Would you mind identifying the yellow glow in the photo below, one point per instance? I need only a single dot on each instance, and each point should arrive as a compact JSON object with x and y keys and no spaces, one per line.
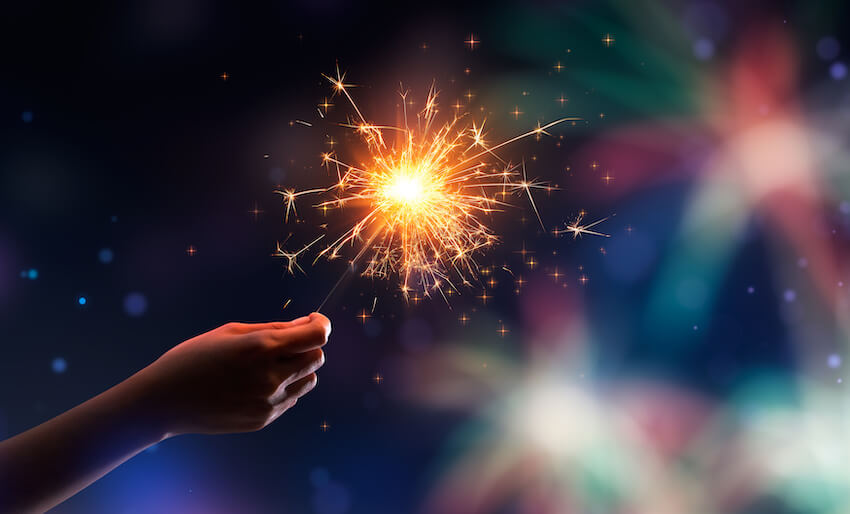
{"x":405,"y":190}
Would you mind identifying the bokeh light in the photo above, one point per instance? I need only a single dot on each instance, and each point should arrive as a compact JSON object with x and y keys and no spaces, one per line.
{"x":105,"y":255}
{"x":59,"y":365}
{"x":135,"y":304}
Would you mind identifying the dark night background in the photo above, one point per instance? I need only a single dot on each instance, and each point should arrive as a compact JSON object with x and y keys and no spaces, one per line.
{"x":124,"y":145}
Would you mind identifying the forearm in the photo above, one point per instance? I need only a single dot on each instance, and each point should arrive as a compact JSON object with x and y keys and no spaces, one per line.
{"x":43,"y":466}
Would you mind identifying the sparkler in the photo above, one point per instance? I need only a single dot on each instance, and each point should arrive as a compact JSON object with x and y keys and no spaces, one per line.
{"x":424,"y":197}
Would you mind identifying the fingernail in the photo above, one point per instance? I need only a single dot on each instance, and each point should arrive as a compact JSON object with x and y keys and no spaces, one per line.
{"x":301,"y":320}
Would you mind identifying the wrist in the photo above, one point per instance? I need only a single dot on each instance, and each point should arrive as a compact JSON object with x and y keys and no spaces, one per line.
{"x":147,"y":407}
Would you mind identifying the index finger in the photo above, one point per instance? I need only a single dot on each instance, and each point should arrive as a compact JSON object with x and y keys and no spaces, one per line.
{"x":246,"y":328}
{"x":301,"y":338}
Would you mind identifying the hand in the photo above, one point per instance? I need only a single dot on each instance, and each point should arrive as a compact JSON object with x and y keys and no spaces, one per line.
{"x":236,"y":378}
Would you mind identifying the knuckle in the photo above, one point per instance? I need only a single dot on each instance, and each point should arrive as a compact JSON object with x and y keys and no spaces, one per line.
{"x":266,"y":341}
{"x":305,"y":385}
{"x":260,"y":340}
{"x":291,"y":375}
{"x":316,"y":357}
{"x":311,"y":361}
{"x":251,"y":345}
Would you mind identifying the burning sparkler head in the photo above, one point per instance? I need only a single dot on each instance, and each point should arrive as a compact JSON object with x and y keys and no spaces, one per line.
{"x":422,"y":219}
{"x":424,"y":196}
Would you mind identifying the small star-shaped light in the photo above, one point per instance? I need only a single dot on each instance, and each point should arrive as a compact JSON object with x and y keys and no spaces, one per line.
{"x":524,"y":251}
{"x":338,"y":82}
{"x":326,"y":105}
{"x":256,"y":211}
{"x":363,"y":316}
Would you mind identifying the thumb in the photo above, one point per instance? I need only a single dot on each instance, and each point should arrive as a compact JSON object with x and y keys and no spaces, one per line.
{"x":302,"y":338}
